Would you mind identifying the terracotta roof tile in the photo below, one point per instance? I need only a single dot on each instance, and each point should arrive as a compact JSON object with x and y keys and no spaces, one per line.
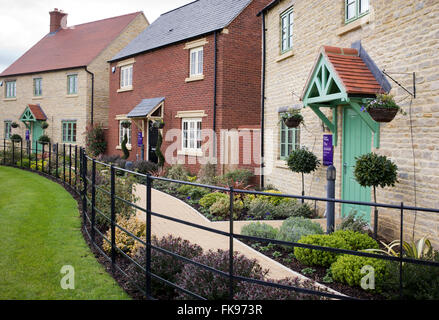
{"x":352,"y":71}
{"x":71,"y":47}
{"x":37,"y":112}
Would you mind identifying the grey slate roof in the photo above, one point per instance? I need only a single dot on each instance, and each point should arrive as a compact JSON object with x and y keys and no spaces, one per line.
{"x":194,"y":19}
{"x":145,"y":107}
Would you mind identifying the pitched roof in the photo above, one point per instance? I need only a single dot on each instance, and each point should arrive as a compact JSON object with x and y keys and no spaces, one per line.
{"x":37,"y":112}
{"x":357,"y":78}
{"x":145,"y":107}
{"x":194,"y":19}
{"x":72,"y":47}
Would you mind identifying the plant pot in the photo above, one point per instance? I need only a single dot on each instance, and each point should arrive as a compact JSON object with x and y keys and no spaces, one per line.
{"x":292,"y":122}
{"x":382,"y":114}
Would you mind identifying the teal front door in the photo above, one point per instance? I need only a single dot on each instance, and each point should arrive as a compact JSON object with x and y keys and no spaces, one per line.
{"x":37,"y":132}
{"x":357,"y":139}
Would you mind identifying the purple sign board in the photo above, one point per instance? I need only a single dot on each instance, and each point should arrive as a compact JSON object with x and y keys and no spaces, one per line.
{"x":27,"y":135}
{"x":139,"y":139}
{"x":328,"y":150}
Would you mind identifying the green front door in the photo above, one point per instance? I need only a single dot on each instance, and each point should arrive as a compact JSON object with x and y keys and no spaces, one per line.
{"x":357,"y":139}
{"x":37,"y":132}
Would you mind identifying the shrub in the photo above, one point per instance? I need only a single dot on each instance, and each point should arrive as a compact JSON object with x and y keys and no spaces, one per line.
{"x":292,"y":209}
{"x":144,"y":166}
{"x":95,"y":140}
{"x":314,"y":257}
{"x":209,"y":199}
{"x":347,"y":269}
{"x":40,"y":165}
{"x":260,"y":230}
{"x":125,"y":242}
{"x":260,"y":209}
{"x":23,"y":163}
{"x":354,"y":223}
{"x":177,"y":172}
{"x":238,"y":175}
{"x":253,"y":291}
{"x":213,"y":286}
{"x":356,"y":240}
{"x":294,"y":228}
{"x":126,"y":152}
{"x":221,"y":208}
{"x":109,"y":158}
{"x":16,"y":138}
{"x":163,"y":265}
{"x":158,"y":151}
{"x":207,"y":174}
{"x":192,"y":192}
{"x":44,"y":139}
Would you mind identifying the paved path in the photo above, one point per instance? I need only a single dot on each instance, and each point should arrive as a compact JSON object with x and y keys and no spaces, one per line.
{"x":165,"y":204}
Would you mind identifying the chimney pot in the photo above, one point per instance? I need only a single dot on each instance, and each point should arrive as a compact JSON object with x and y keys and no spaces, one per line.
{"x":58,"y":20}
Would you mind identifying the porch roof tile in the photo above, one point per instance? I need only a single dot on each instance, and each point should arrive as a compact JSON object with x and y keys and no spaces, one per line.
{"x":37,"y":112}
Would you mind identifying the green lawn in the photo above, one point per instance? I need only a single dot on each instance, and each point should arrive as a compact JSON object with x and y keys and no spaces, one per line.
{"x":39,"y":234}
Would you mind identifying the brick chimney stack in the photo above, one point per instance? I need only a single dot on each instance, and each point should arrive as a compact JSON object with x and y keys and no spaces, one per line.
{"x":58,"y":19}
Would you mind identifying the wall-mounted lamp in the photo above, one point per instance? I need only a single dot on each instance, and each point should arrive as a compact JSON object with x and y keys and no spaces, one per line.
{"x":113,"y":69}
{"x":1,"y":83}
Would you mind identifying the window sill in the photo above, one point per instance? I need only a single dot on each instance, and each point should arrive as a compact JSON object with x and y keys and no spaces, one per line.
{"x":194,"y":78}
{"x":125,"y":89}
{"x":120,"y":147}
{"x":193,"y":153}
{"x":354,"y":25}
{"x":72,"y":96}
{"x":9,"y":99}
{"x":37,"y":98}
{"x":281,"y":164}
{"x":285,"y":55}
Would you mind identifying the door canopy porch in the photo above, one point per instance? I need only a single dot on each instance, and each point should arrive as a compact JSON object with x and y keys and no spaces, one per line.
{"x":341,"y":77}
{"x":33,"y":113}
{"x":147,"y":109}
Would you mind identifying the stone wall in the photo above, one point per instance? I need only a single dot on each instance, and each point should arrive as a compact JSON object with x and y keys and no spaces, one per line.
{"x":400,"y":36}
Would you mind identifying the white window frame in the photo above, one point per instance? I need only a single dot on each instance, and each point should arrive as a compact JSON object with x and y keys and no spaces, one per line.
{"x":122,"y":132}
{"x":191,"y":138}
{"x":126,"y":76}
{"x":72,"y":86}
{"x":357,"y":12}
{"x":196,"y":61}
{"x":11,"y":89}
{"x":38,"y":87}
{"x":8,"y":129}
{"x":287,"y":30}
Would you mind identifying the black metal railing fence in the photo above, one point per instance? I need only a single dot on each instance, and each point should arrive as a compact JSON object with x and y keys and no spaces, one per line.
{"x":73,"y":162}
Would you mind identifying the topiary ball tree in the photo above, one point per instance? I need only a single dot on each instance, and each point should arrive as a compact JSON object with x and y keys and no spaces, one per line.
{"x":372,"y":170}
{"x":303,"y":161}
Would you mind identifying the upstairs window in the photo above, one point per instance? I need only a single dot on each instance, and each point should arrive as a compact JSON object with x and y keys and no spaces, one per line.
{"x":289,"y":140}
{"x":72,"y":84}
{"x":126,"y":76}
{"x":355,"y":9}
{"x":191,"y":134}
{"x":8,"y":129}
{"x":287,"y":20}
{"x":38,"y":87}
{"x":196,"y":62}
{"x":11,"y":89}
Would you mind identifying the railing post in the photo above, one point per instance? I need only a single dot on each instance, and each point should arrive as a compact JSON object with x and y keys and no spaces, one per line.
{"x":56,"y":161}
{"x":42,"y":157}
{"x":21,"y":153}
{"x":76,"y":167}
{"x":70,"y":164}
{"x":50,"y":159}
{"x":64,"y":161}
{"x":4,"y":151}
{"x":13,"y":152}
{"x":84,"y":191}
{"x":29,"y":154}
{"x":113,"y":217}
{"x":148,"y":235}
{"x":232,"y":198}
{"x":331,"y":174}
{"x":401,"y":238}
{"x":36,"y":155}
{"x":93,"y":198}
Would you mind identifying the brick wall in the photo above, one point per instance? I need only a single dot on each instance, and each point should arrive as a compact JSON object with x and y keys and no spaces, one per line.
{"x":400,"y":37}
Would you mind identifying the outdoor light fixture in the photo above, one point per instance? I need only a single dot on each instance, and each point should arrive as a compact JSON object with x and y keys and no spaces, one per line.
{"x":1,"y":83}
{"x":113,"y":69}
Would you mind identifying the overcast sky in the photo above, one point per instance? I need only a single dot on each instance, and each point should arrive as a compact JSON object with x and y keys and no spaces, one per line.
{"x":24,"y":22}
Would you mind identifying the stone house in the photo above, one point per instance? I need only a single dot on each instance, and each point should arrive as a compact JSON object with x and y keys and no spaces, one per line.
{"x":64,"y":79}
{"x":197,"y":68}
{"x":326,"y":57}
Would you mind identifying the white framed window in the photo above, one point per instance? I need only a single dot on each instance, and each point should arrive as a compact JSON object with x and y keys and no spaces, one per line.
{"x":72,"y":84}
{"x":38,"y":87}
{"x":8,"y":129}
{"x":196,"y":61}
{"x":191,"y":134}
{"x":11,"y":89}
{"x":126,"y":76}
{"x":123,"y":131}
{"x":287,"y":21}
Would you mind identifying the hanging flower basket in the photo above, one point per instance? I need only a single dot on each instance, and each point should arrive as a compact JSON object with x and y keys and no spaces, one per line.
{"x":292,"y":118}
{"x":14,"y":125}
{"x":383,"y":108}
{"x":126,"y":124}
{"x":160,"y":124}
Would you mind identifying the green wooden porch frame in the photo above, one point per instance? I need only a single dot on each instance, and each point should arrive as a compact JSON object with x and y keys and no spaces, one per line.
{"x":325,"y":89}
{"x":27,"y":117}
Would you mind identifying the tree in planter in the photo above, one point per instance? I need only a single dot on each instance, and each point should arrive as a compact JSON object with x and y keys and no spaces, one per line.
{"x":158,"y":151}
{"x":126,"y":152}
{"x":303,"y":161}
{"x":95,"y":137}
{"x":16,"y":138}
{"x":372,"y":170}
{"x":44,"y":139}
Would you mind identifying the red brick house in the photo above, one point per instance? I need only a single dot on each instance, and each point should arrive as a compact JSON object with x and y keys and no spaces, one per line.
{"x":198,"y":68}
